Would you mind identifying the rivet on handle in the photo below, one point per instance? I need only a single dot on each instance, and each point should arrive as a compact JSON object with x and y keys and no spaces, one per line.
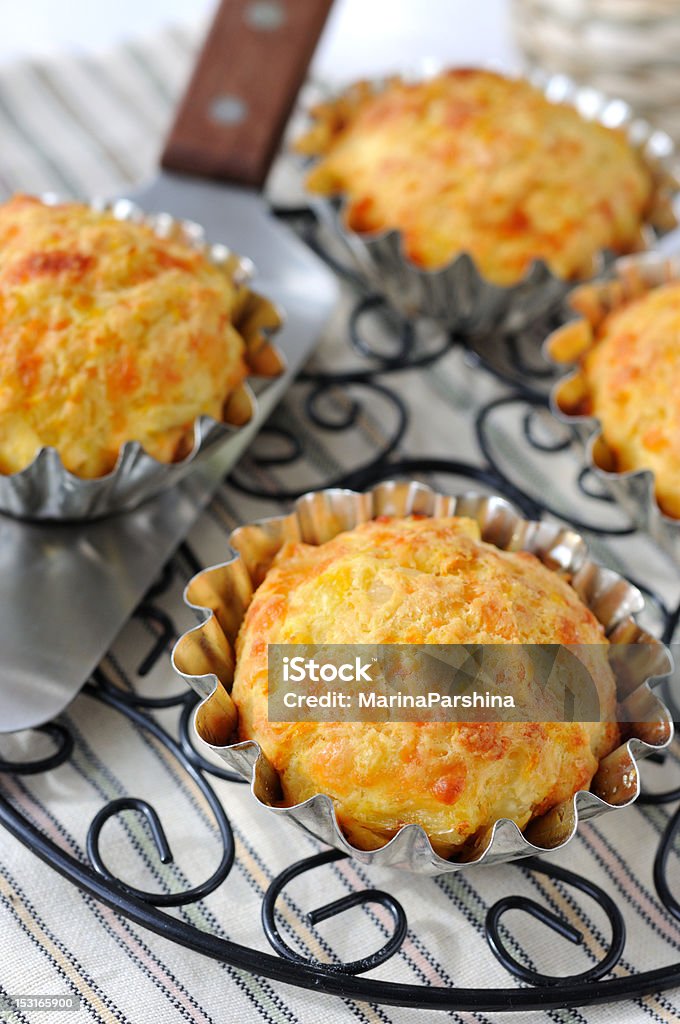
{"x":265,"y":15}
{"x":228,"y":109}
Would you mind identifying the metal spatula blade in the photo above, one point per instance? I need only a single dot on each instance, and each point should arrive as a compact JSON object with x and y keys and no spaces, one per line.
{"x":285,"y":269}
{"x":65,"y":591}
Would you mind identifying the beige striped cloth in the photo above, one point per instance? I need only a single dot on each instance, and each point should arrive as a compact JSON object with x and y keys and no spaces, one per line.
{"x":92,"y":125}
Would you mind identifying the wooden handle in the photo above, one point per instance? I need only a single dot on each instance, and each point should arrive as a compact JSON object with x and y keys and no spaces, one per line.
{"x":241,"y":93}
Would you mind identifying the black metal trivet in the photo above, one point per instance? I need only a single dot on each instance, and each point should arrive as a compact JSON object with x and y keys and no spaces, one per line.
{"x":514,"y":362}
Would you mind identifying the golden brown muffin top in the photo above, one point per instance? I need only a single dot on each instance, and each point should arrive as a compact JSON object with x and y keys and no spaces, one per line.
{"x":630,"y":380}
{"x":421,"y":580}
{"x":108,"y":333}
{"x":473,"y":161}
{"x":417,"y":580}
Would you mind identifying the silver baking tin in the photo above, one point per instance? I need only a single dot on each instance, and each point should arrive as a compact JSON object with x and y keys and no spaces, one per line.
{"x":204,"y":657}
{"x":634,"y":490}
{"x":45,"y":490}
{"x":458,"y":295}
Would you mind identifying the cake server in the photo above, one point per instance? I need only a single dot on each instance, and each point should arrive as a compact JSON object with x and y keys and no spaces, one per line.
{"x":65,"y":590}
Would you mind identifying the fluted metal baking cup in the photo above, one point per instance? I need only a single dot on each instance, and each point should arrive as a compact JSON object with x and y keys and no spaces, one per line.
{"x":46,"y":490}
{"x":220,"y":595}
{"x":458,"y":295}
{"x":634,"y":490}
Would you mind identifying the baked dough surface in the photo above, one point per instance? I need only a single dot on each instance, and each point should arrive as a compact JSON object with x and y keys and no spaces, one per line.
{"x":472,"y":161}
{"x":420,"y":580}
{"x":108,"y":334}
{"x":632,"y":376}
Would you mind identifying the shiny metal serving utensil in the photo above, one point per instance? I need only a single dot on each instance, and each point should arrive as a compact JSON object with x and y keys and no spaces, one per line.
{"x":65,"y":591}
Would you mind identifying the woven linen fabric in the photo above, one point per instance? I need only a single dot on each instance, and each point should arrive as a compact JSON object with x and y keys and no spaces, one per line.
{"x":92,"y":125}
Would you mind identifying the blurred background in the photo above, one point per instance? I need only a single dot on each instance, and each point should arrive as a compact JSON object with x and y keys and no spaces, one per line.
{"x":628,"y":48}
{"x":83,"y":82}
{"x":362,"y":36}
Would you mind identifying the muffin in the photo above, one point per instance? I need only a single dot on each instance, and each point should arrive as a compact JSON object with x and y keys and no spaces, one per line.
{"x":110,"y":333}
{"x":421,"y":580}
{"x":628,"y":378}
{"x":471,"y":161}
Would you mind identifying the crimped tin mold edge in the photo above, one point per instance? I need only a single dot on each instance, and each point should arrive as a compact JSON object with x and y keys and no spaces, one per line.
{"x":46,"y":490}
{"x":634,"y":489}
{"x":208,"y":649}
{"x":458,"y":295}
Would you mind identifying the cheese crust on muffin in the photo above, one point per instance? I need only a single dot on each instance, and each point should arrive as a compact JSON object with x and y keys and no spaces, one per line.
{"x":108,"y":333}
{"x":631,"y":380}
{"x":470,"y":161}
{"x":421,"y":580}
